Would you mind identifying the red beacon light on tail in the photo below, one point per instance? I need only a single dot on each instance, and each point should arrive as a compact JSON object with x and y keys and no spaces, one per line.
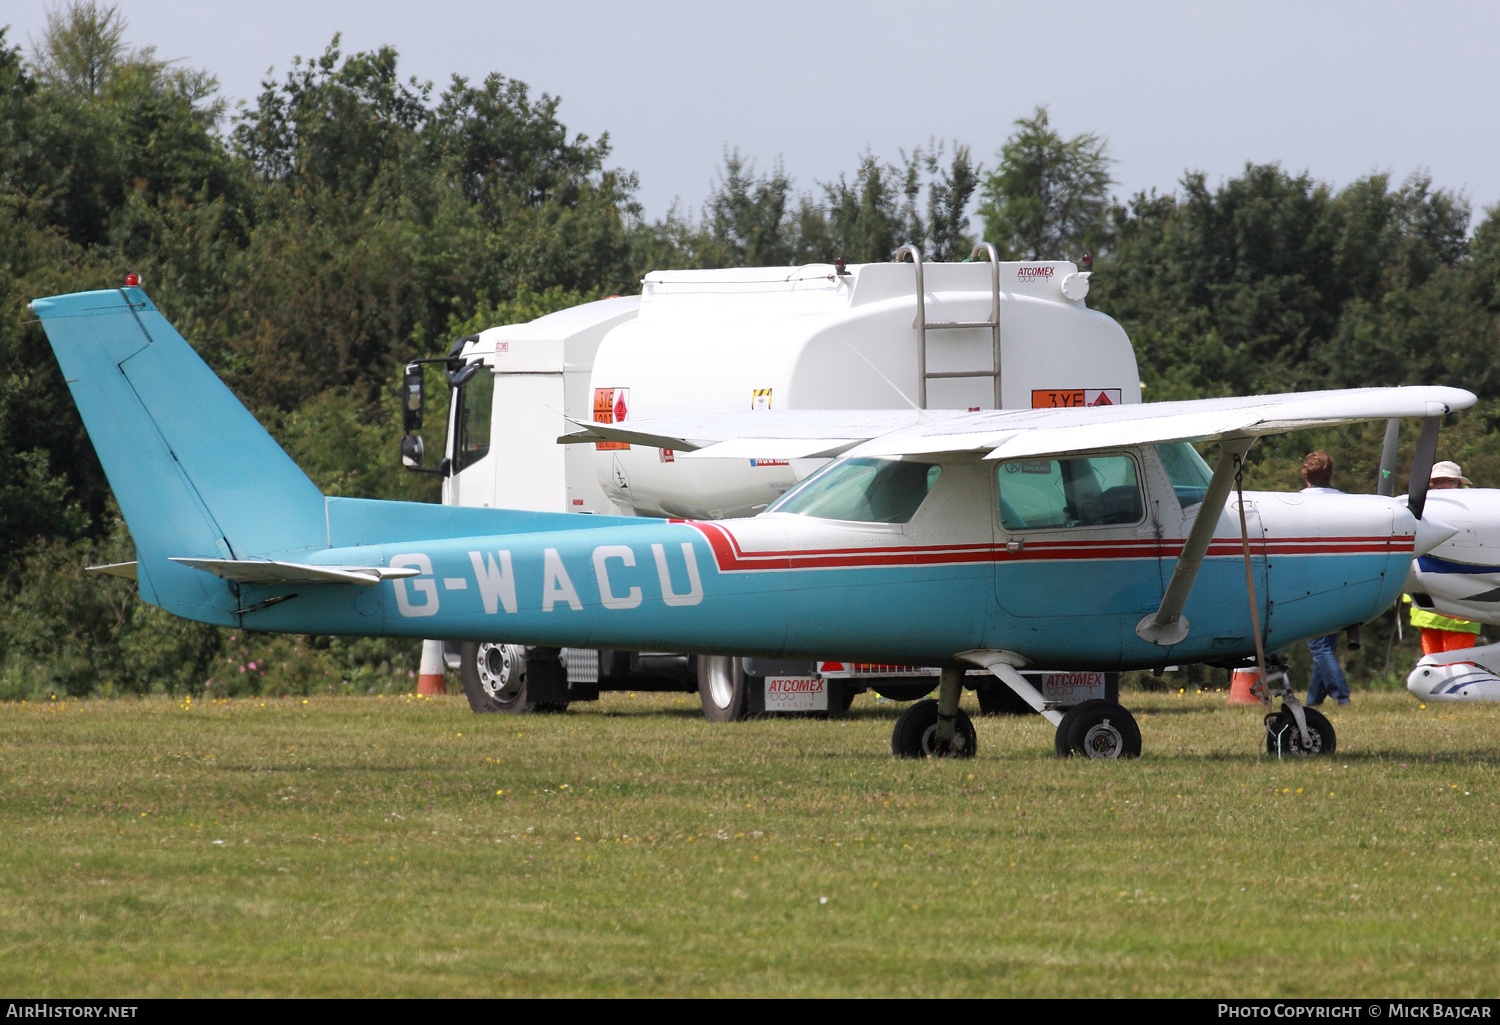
{"x":132,"y":281}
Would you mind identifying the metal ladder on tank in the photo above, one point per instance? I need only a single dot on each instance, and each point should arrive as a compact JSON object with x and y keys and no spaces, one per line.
{"x":923,"y":325}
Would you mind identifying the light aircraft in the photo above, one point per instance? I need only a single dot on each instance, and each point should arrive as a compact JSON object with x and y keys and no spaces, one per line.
{"x":1074,"y":538}
{"x":1461,"y":578}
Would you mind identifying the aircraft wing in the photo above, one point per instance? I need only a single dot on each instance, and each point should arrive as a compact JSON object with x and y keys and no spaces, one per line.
{"x":1019,"y":433}
{"x":761,"y":434}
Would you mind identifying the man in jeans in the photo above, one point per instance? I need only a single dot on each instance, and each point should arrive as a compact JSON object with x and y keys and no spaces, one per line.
{"x":1327,"y":676}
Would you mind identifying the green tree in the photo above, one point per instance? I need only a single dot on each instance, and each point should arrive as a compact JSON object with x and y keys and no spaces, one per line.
{"x":1048,"y":199}
{"x":948,"y":195}
{"x":751,"y":219}
{"x":82,"y":47}
{"x":761,"y":220}
{"x":335,"y":124}
{"x":1276,"y":282}
{"x":104,"y":122}
{"x":865,"y":220}
{"x":509,"y":149}
{"x":1485,"y":248}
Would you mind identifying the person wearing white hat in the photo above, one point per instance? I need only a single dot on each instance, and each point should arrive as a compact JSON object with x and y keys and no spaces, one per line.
{"x":1447,"y":475}
{"x":1443,"y":633}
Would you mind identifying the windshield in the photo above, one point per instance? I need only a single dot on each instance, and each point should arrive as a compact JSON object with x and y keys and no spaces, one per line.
{"x":1186,"y":470}
{"x":476,"y":400}
{"x":862,"y":490}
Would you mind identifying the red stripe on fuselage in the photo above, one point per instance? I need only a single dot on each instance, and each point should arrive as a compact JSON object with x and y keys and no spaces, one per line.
{"x":732,"y":558}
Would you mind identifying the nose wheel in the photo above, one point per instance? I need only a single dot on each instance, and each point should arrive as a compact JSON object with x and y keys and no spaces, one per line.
{"x":1284,"y":739}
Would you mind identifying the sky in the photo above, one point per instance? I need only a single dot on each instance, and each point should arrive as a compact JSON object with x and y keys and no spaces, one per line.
{"x":1339,"y":89}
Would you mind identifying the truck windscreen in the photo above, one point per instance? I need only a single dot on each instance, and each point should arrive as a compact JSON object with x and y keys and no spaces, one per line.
{"x":476,"y":400}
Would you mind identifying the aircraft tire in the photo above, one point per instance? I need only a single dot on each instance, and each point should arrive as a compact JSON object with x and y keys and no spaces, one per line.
{"x":1100,"y":730}
{"x":498,"y":682}
{"x":1282,"y":737}
{"x":916,"y":731}
{"x":998,"y":699}
{"x":723,"y":688}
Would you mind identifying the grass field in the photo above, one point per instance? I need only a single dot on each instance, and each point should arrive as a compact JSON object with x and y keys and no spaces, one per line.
{"x":402,"y":846}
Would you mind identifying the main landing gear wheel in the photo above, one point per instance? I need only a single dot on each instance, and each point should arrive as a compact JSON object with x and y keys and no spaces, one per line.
{"x":723,"y":688}
{"x":1283,"y":737}
{"x":494,"y":678}
{"x":915,"y":735}
{"x":1098,"y":729}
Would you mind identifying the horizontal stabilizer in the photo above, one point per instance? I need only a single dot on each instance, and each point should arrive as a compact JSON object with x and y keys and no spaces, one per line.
{"x":124,"y":570}
{"x":257,"y":571}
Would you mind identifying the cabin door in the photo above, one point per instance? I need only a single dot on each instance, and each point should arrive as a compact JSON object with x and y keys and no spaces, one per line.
{"x":1080,"y":550}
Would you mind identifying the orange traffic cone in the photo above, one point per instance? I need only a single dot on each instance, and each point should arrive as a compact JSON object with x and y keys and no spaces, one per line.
{"x":1245,"y":687}
{"x":430,"y":677}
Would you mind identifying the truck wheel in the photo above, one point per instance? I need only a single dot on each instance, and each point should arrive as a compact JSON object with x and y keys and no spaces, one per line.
{"x":494,"y":678}
{"x":723,"y":688}
{"x":840,"y":696}
{"x":998,"y":699}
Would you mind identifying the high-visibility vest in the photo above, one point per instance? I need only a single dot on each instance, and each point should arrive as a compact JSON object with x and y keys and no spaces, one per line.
{"x":1424,"y":620}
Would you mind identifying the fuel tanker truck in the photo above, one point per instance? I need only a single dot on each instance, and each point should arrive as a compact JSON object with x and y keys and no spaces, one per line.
{"x":979,"y":334}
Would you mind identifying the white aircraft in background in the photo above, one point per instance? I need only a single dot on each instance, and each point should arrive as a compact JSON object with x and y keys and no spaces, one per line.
{"x":1461,"y":578}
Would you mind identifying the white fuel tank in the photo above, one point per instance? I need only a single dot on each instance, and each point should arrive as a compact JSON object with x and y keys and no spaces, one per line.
{"x":815,"y":338}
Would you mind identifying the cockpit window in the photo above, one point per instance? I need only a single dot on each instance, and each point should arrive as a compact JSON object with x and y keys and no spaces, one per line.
{"x":1093,"y":492}
{"x":1186,"y":470}
{"x":862,"y":490}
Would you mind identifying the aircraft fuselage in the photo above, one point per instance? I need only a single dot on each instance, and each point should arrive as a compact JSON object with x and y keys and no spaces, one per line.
{"x":953,"y":578}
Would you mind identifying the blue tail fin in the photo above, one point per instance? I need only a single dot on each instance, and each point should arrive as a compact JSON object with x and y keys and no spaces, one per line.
{"x":194,"y":472}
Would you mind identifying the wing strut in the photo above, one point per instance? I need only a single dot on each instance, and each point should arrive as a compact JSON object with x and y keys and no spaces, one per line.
{"x":1167,"y":625}
{"x":1260,"y":646}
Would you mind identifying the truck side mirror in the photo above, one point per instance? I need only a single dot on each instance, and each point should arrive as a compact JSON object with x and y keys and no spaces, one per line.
{"x":456,"y":378}
{"x":411,"y":451}
{"x":413,"y":398}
